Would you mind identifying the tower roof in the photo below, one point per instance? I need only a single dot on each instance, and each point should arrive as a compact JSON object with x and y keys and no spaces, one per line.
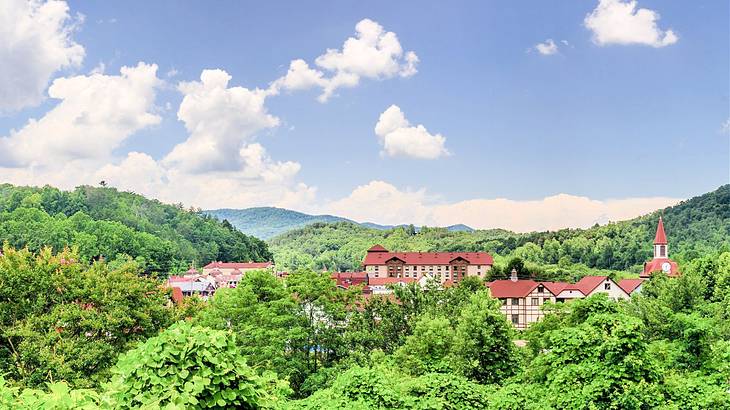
{"x":661,"y":237}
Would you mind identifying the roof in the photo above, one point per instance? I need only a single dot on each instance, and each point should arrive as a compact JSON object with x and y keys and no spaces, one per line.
{"x":238,"y":265}
{"x":587,"y":284}
{"x":655,"y":265}
{"x":349,"y":275}
{"x":630,"y":285}
{"x":379,"y":257}
{"x":556,"y":287}
{"x":192,"y":271}
{"x":661,"y":237}
{"x":377,"y":248}
{"x":505,"y":288}
{"x":388,"y":281}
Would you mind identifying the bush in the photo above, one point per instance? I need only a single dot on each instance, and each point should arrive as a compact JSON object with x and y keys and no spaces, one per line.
{"x":190,"y":367}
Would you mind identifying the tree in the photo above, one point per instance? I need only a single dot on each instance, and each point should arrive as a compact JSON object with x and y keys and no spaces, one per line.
{"x":483,"y":348}
{"x":262,"y":314}
{"x":428,"y":349}
{"x":61,"y":319}
{"x":193,"y":367}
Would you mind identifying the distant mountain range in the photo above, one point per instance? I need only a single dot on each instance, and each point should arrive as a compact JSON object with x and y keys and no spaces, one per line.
{"x":267,"y":222}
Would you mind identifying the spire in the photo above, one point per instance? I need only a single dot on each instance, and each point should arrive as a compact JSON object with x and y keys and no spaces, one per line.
{"x":661,"y":237}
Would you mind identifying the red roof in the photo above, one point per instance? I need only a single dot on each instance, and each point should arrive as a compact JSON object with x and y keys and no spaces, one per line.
{"x":661,"y":237}
{"x":192,"y":271}
{"x":630,"y":285}
{"x":556,"y":287}
{"x":179,"y":279}
{"x":238,"y":265}
{"x":655,"y":265}
{"x":377,"y":255}
{"x":506,"y":288}
{"x":587,"y":284}
{"x":387,"y":281}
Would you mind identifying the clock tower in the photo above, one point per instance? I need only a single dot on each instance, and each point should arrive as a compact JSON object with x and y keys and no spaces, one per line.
{"x":661,"y":261}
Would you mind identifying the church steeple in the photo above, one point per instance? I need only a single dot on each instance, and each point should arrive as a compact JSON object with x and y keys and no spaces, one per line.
{"x":660,"y":241}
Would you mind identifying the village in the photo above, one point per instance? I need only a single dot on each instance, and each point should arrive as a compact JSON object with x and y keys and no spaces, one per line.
{"x":383,"y":270}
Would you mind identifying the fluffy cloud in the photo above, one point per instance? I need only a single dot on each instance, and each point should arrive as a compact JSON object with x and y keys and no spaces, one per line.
{"x":399,"y":138}
{"x":619,"y":22}
{"x":547,"y":48}
{"x":221,"y":120}
{"x":35,"y":42}
{"x":382,"y":202}
{"x":95,"y":115}
{"x":373,"y":53}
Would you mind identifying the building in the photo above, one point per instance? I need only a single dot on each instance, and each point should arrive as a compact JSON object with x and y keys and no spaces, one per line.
{"x":347,"y":279}
{"x":521,"y":299}
{"x":231,"y":268}
{"x":661,"y":261}
{"x":382,"y":286}
{"x":631,"y":286}
{"x":442,"y":266}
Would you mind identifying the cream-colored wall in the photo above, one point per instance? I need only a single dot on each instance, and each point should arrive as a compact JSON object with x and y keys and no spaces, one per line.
{"x":527,"y":312}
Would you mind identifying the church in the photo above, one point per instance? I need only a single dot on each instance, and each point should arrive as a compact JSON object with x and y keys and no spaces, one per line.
{"x":661,"y":261}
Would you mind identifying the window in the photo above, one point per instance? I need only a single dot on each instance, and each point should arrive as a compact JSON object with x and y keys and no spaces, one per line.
{"x":504,"y":302}
{"x":515,"y":301}
{"x":516,"y":319}
{"x":662,"y":251}
{"x":540,"y":289}
{"x":535,"y":302}
{"x":607,"y":286}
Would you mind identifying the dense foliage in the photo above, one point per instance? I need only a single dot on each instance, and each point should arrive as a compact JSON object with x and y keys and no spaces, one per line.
{"x":695,"y":227}
{"x":65,"y":320}
{"x":304,"y":343}
{"x":105,"y":222}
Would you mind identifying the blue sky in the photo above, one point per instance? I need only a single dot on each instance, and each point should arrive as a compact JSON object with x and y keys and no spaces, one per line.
{"x":624,"y":114}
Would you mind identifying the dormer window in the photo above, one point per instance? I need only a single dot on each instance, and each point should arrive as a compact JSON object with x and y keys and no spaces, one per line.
{"x":540,"y":289}
{"x":607,"y":286}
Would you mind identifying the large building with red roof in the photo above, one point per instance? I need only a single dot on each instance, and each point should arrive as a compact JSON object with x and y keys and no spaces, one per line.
{"x":661,"y":261}
{"x":235,"y":268}
{"x":442,"y":266}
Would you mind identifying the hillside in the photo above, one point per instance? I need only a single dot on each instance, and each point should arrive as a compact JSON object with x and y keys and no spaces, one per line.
{"x":106,"y":222}
{"x":695,"y":227}
{"x":268,"y":222}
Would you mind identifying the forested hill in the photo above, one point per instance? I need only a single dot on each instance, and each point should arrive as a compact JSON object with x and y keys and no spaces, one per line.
{"x":268,"y":222}
{"x":694,"y":227}
{"x":103,"y":221}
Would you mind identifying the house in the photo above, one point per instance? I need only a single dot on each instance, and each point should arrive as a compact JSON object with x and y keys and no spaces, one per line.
{"x":661,"y":261}
{"x":631,"y":286}
{"x":442,"y":266}
{"x":521,"y":299}
{"x":382,"y":286}
{"x":200,"y":286}
{"x":591,"y":285}
{"x":228,"y":268}
{"x":347,"y":279}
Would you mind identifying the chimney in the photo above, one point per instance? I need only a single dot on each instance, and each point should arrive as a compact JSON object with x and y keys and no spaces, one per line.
{"x":513,"y":275}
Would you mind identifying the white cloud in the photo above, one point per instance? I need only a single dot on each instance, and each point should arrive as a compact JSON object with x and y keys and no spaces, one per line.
{"x":219,"y":165}
{"x":35,"y":42}
{"x":221,"y":121}
{"x":373,"y":53}
{"x":725,"y":127}
{"x":399,"y":138}
{"x":95,"y":115}
{"x":384,"y":203}
{"x":619,"y":22}
{"x":547,"y":48}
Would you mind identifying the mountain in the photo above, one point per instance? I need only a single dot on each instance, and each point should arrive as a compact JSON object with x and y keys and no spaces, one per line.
{"x":695,"y":227}
{"x":268,"y":222}
{"x":116,"y":225}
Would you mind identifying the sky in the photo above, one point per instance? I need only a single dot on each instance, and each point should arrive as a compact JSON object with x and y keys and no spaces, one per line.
{"x":518,"y":115}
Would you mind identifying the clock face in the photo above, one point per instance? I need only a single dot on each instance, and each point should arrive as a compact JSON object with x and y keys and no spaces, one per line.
{"x":666,"y":267}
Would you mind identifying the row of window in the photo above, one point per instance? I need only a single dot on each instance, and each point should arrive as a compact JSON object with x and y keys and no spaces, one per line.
{"x":516,"y":301}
